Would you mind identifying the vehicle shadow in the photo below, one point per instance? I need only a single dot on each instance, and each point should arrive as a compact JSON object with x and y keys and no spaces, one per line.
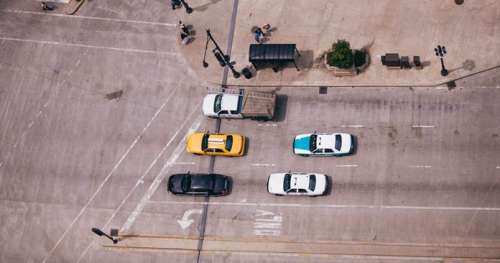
{"x":329,"y":187}
{"x":281,"y":107}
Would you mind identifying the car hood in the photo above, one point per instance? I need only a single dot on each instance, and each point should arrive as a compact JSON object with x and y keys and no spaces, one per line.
{"x":193,"y":142}
{"x":275,"y":183}
{"x":321,"y":184}
{"x":301,"y":144}
{"x":346,"y":146}
{"x":208,"y":105}
{"x":175,"y":183}
{"x":222,"y":184}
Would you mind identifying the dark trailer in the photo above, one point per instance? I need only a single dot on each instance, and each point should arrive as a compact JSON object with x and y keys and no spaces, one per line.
{"x":272,"y":55}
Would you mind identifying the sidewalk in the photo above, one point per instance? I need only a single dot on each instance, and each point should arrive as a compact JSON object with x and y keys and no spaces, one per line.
{"x":489,"y":250}
{"x":470,"y":33}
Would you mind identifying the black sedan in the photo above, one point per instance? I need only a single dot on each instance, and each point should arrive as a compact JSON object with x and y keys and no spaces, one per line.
{"x":199,"y":184}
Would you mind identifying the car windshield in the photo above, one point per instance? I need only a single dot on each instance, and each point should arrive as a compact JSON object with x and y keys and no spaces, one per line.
{"x":204,"y":142}
{"x":218,"y":103}
{"x":286,"y":182}
{"x":312,"y":142}
{"x":229,"y":142}
{"x":338,"y":142}
{"x":312,"y":182}
{"x":186,"y":183}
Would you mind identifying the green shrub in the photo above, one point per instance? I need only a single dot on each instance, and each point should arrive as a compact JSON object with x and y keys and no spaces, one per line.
{"x":341,"y":55}
{"x":359,"y":58}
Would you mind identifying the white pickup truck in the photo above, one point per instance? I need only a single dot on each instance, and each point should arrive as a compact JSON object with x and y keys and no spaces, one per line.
{"x":240,"y":104}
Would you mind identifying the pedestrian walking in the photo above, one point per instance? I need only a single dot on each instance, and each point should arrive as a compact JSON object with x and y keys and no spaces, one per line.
{"x":175,"y":4}
{"x":258,"y":34}
{"x":185,"y":33}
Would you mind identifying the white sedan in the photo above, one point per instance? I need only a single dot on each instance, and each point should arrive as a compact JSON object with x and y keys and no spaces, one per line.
{"x":311,"y":184}
{"x":322,"y":144}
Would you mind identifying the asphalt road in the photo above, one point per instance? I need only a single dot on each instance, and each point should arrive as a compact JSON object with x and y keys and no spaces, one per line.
{"x":93,"y":121}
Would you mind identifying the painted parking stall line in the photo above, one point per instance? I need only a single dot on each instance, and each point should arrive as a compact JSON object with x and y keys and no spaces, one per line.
{"x":423,"y":126}
{"x":267,"y":125}
{"x":331,"y":206}
{"x":353,"y":126}
{"x":184,"y":163}
{"x":421,"y":166}
{"x":263,"y":164}
{"x":346,"y":165}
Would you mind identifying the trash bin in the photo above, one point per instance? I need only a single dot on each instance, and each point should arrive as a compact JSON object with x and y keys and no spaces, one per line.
{"x":247,"y":73}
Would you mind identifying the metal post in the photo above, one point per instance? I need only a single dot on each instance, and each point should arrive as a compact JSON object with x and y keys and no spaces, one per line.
{"x":99,"y":232}
{"x":441,"y":52}
{"x":223,"y":58}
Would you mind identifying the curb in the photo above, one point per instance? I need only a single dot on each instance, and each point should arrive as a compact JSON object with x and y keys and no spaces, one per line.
{"x":481,"y":250}
{"x":434,"y":85}
{"x":73,"y":6}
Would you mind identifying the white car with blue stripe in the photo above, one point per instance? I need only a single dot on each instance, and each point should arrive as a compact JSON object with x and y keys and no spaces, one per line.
{"x":323,"y":144}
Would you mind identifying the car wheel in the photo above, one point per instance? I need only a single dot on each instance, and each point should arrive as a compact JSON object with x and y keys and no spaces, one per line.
{"x":278,"y":195}
{"x":304,"y":155}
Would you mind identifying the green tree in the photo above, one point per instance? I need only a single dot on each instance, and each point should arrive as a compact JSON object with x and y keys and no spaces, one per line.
{"x":341,"y":55}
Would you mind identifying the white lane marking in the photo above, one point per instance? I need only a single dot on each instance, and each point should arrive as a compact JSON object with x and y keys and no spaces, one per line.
{"x":346,"y":165}
{"x":159,"y":178}
{"x":267,"y":125}
{"x":263,"y":164}
{"x":421,"y":166}
{"x":140,"y":180}
{"x":394,"y":207}
{"x":88,"y":17}
{"x":131,"y":50}
{"x":353,"y":126}
{"x":423,"y":126}
{"x":184,"y":163}
{"x":108,"y":176}
{"x":267,"y":223}
{"x":185,"y":222}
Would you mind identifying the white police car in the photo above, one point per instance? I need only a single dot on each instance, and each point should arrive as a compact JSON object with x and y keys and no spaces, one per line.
{"x":322,"y":144}
{"x":310,"y":184}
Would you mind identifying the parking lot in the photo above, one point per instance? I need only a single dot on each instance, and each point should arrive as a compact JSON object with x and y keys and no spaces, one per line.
{"x":94,"y":121}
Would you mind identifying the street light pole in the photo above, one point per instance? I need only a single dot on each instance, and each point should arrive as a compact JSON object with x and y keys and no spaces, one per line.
{"x":224,"y":60}
{"x":99,"y":232}
{"x":189,"y":10}
{"x":441,"y":52}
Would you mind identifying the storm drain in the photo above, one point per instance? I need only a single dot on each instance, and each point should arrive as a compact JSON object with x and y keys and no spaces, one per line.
{"x":323,"y":89}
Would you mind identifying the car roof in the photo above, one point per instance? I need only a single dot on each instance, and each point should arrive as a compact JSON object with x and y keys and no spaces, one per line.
{"x":299,"y":181}
{"x":217,"y":141}
{"x":202,"y":181}
{"x":325,"y":141}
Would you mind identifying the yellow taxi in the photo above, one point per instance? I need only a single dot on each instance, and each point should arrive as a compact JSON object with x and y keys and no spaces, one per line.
{"x":216,"y":144}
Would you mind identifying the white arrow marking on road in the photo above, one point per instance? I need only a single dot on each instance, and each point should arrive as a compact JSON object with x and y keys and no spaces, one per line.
{"x":185,"y":222}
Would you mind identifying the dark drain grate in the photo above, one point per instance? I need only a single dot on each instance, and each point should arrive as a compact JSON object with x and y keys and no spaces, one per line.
{"x":323,"y":89}
{"x":451,"y":85}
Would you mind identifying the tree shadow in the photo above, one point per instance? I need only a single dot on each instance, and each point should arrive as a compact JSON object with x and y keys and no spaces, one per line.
{"x":305,"y":60}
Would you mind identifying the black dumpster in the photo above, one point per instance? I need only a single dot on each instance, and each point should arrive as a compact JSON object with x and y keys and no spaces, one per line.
{"x":272,"y":55}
